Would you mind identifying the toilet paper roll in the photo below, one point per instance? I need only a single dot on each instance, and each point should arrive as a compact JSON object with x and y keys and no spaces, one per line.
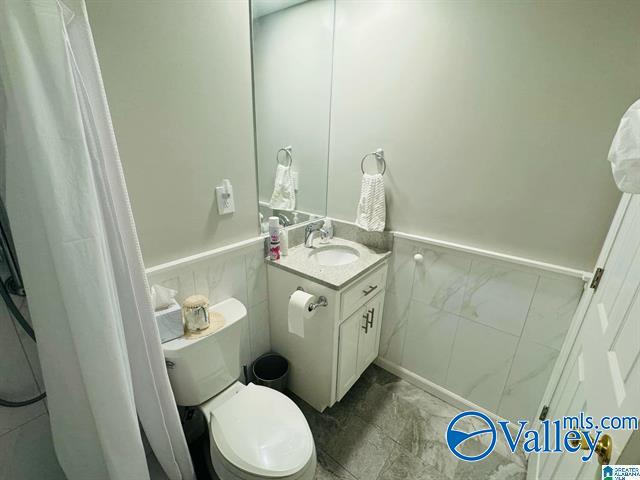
{"x":299,"y":311}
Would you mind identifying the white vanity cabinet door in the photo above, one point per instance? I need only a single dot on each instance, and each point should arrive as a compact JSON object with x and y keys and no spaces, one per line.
{"x":358,"y":343}
{"x":369,"y":340}
{"x":348,"y":371}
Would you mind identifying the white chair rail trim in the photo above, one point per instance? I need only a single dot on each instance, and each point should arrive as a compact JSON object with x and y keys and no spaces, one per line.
{"x":198,"y":257}
{"x":528,"y":262}
{"x":585,"y":276}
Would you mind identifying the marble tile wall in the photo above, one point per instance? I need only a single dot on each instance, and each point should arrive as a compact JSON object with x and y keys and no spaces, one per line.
{"x":484,"y":329}
{"x":26,"y":447}
{"x":241,"y":274}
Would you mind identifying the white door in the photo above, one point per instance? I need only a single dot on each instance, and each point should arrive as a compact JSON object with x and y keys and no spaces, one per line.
{"x":602,"y":374}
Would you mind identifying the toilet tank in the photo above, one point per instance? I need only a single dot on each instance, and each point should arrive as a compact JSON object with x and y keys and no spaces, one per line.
{"x":200,"y":368}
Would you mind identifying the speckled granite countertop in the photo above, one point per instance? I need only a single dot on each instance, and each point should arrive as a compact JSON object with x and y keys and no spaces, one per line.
{"x":301,"y":263}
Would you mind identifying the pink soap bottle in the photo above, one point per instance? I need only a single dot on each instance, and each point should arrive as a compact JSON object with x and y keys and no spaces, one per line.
{"x":274,"y":238}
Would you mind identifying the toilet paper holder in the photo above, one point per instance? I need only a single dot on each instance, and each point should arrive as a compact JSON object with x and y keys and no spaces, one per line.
{"x":322,"y":301}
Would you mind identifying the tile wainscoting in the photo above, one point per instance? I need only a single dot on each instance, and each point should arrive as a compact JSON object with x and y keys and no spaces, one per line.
{"x":487,"y":330}
{"x":237,"y":271}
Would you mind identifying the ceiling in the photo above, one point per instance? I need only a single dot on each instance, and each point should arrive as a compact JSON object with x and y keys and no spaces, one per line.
{"x":260,"y":8}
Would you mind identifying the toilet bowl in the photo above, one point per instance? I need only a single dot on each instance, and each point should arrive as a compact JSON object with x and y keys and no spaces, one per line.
{"x":254,"y":432}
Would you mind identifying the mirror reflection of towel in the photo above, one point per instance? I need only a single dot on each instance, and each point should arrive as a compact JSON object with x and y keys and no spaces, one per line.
{"x":372,"y":210}
{"x":284,"y":193}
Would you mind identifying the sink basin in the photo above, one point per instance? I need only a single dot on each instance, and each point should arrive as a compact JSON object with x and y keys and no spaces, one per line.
{"x":334,"y":255}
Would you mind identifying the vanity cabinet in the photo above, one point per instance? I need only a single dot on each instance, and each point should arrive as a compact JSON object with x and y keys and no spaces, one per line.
{"x":340,"y":341}
{"x":358,"y":343}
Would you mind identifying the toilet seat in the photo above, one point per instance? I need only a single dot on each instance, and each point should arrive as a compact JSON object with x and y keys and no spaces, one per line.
{"x":262,"y":432}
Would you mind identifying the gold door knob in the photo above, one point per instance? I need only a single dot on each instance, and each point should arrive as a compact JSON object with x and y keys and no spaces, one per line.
{"x":603,"y":449}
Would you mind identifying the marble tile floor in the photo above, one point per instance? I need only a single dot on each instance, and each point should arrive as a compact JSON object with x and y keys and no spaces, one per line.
{"x":387,"y":429}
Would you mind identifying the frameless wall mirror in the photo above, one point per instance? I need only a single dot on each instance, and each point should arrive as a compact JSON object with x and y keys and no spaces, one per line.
{"x":292,"y":59}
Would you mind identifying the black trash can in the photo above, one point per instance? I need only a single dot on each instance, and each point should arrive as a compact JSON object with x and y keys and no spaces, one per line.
{"x":271,"y":370}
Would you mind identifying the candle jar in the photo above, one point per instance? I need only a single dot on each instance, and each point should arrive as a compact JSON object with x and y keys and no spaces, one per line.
{"x":195,"y":313}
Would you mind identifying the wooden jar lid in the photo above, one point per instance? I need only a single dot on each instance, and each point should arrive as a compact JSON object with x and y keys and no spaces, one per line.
{"x":216,"y":322}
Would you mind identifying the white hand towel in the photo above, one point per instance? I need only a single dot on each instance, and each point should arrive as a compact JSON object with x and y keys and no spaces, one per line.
{"x":372,"y":210}
{"x":284,"y":193}
{"x":624,"y":154}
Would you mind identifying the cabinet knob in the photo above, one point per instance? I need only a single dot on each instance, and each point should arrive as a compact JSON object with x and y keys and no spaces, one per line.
{"x":418,"y":258}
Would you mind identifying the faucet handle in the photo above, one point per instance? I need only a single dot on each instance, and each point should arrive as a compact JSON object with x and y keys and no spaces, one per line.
{"x":324,"y":236}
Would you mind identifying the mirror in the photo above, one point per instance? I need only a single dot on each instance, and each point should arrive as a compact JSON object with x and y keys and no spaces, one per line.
{"x":292,"y":66}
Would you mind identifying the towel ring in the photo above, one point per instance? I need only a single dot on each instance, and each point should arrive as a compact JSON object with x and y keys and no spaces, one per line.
{"x":287,"y":151}
{"x":379,"y":154}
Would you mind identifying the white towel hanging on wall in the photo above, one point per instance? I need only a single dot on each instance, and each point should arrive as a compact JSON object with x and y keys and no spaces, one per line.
{"x":624,"y":154}
{"x":372,"y":210}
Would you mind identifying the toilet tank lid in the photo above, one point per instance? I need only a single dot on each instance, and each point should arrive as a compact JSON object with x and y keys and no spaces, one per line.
{"x":231,"y":309}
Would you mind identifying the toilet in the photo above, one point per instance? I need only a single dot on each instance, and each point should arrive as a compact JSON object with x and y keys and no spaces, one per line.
{"x":255,"y":432}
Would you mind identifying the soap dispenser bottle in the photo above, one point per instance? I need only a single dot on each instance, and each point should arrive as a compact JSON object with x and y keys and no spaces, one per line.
{"x":328,"y":228}
{"x":284,"y":242}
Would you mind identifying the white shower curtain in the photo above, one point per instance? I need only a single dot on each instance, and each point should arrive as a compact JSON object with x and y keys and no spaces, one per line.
{"x":98,"y":342}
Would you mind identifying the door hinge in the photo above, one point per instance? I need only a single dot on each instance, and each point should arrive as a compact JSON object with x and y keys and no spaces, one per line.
{"x":597,"y":276}
{"x":543,"y":413}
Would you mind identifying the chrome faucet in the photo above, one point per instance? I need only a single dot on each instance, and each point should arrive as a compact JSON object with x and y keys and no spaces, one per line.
{"x":310,"y":232}
{"x":284,"y":220}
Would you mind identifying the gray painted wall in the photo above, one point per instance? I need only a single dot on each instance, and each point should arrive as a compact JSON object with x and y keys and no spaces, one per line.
{"x":496,"y":118}
{"x":178,"y":81}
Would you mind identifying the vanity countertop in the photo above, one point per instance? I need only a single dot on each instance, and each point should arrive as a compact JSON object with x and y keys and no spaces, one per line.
{"x":300,"y":262}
